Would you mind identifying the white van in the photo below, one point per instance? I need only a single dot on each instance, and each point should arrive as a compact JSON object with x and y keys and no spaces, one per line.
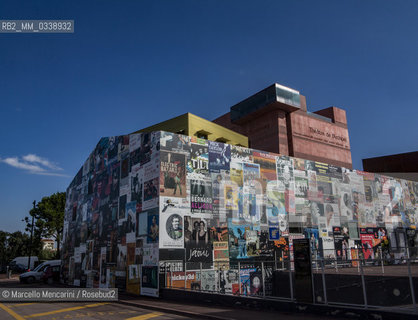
{"x":24,"y":261}
{"x":36,"y":274}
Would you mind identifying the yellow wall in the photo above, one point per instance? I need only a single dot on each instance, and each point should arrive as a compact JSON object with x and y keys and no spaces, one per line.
{"x":215,"y":131}
{"x":191,"y":125}
{"x":174,"y":125}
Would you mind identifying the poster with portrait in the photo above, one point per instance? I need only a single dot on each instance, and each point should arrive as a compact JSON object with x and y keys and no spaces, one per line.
{"x":256,"y":283}
{"x":345,"y":198}
{"x":324,"y":185}
{"x":341,"y":244}
{"x":171,"y":231}
{"x":173,"y":174}
{"x":136,"y":176}
{"x":317,"y":211}
{"x":153,"y":226}
{"x":197,"y":240}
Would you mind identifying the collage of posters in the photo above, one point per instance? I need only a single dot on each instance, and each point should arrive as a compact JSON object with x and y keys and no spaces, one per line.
{"x":205,"y":206}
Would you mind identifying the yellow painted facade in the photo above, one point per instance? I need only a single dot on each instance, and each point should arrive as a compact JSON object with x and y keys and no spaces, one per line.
{"x":192,"y":125}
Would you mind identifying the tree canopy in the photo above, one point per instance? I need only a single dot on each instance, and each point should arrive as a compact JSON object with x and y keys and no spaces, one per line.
{"x":49,"y":218}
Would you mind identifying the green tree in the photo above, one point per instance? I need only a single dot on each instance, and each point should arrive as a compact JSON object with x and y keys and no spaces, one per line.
{"x":49,"y":219}
{"x":12,"y":245}
{"x":17,"y":245}
{"x":3,"y":247}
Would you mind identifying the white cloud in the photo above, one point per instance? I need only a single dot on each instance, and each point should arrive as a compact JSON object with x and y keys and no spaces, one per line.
{"x":34,"y":164}
{"x":45,"y":162}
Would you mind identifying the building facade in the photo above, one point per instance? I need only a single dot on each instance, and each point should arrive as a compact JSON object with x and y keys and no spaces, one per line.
{"x":159,"y":209}
{"x":191,"y":125}
{"x":403,"y":165}
{"x":276,"y":119}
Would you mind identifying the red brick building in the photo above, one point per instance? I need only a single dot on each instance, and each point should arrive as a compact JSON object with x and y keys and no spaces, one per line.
{"x":403,"y":165}
{"x":276,"y":119}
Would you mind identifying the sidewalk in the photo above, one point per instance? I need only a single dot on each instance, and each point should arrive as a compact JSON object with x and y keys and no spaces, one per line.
{"x":221,"y":307}
{"x":205,"y":311}
{"x":4,"y":278}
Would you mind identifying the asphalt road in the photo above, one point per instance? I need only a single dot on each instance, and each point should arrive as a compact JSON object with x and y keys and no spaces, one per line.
{"x":71,"y":310}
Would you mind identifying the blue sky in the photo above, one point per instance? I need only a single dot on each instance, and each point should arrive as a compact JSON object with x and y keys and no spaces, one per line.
{"x":131,"y":64}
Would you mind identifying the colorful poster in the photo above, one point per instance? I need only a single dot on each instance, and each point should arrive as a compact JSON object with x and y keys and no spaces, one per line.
{"x":198,"y":165}
{"x":367,"y":237}
{"x":219,"y":156}
{"x":153,"y":226}
{"x":267,"y":163}
{"x":197,"y":240}
{"x":237,"y":240}
{"x":201,"y":196}
{"x":220,"y":252}
{"x":173,"y":174}
{"x":246,"y":280}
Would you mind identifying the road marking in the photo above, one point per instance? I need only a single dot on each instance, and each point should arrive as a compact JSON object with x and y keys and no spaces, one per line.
{"x":146,"y":316}
{"x":11,"y":312}
{"x":21,"y":304}
{"x":65,"y":310}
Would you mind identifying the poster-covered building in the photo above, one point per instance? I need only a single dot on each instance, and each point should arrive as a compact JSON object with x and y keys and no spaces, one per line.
{"x":145,"y":201}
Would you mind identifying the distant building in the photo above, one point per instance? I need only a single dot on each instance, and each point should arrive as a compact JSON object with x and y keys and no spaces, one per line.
{"x":403,"y":165}
{"x":47,"y":244}
{"x":276,"y":119}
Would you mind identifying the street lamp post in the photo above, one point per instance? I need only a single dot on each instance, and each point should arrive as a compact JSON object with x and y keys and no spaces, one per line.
{"x":31,"y":236}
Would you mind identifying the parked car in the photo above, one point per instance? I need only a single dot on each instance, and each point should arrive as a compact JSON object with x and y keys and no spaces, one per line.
{"x":52,"y":274}
{"x":24,"y":261}
{"x":37,"y":273}
{"x":18,"y":268}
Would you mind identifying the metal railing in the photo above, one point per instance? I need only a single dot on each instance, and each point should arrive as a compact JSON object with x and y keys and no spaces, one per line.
{"x":374,"y":281}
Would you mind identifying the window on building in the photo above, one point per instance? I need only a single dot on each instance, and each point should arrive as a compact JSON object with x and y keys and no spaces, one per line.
{"x":221,"y":139}
{"x":202,"y":134}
